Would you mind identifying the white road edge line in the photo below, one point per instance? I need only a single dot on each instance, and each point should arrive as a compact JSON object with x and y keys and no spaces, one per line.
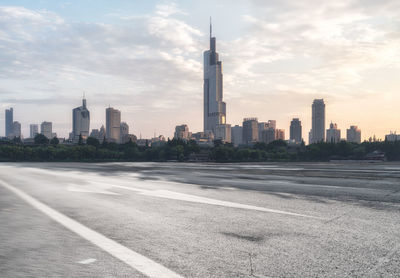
{"x":137,"y":261}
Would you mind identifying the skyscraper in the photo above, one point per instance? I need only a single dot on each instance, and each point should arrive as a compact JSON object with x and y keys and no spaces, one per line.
{"x":46,"y":128}
{"x":250,"y":130}
{"x":16,"y":130}
{"x":354,"y":134}
{"x":223,"y":133}
{"x":80,"y":122}
{"x":237,"y":135}
{"x":9,"y":121}
{"x":214,"y":107}
{"x":296,"y":130}
{"x":113,"y":125}
{"x":333,"y":134}
{"x":34,"y":130}
{"x":318,"y":121}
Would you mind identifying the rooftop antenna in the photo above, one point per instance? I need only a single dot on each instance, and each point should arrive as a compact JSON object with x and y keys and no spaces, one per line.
{"x":210,"y":27}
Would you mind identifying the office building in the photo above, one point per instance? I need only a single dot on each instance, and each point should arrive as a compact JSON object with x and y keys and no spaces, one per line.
{"x":214,"y":107}
{"x":296,"y":131}
{"x":46,"y":128}
{"x":223,"y":133}
{"x":250,"y":130}
{"x":80,"y":122}
{"x":354,"y":135}
{"x":268,"y":135}
{"x":392,"y":137}
{"x":99,"y":134}
{"x":318,"y":121}
{"x":33,"y":130}
{"x":113,"y":125}
{"x":16,"y":130}
{"x":9,"y":122}
{"x":237,"y":135}
{"x":333,"y":134}
{"x":182,"y":132}
{"x":279,"y":134}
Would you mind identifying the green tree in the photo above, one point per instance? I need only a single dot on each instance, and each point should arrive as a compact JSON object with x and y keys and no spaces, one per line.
{"x":91,"y":141}
{"x":40,"y":139}
{"x":54,"y":141}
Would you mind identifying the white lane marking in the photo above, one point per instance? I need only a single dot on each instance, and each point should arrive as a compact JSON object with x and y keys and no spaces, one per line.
{"x":88,"y":261}
{"x":87,"y":190}
{"x":137,"y":261}
{"x":203,"y":200}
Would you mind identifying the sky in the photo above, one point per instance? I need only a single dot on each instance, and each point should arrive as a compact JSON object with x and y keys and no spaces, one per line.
{"x":145,"y":59}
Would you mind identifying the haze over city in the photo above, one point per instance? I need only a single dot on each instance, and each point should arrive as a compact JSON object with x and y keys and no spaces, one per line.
{"x":145,"y":59}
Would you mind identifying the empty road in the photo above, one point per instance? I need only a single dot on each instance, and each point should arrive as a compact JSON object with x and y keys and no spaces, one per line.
{"x":199,"y":220}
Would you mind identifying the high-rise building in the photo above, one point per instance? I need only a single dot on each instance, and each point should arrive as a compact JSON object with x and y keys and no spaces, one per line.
{"x":125,"y":136}
{"x":182,"y":132}
{"x":296,"y":130}
{"x":124,"y":129}
{"x":279,"y":134}
{"x":33,"y":130}
{"x":214,"y":107}
{"x":268,"y":135}
{"x":9,"y":121}
{"x":237,"y":135}
{"x":354,"y":134}
{"x":333,"y":134}
{"x":16,"y":130}
{"x":80,"y":122}
{"x":250,"y":130}
{"x":46,"y":128}
{"x":223,"y":133}
{"x":113,"y":125}
{"x":318,"y":121}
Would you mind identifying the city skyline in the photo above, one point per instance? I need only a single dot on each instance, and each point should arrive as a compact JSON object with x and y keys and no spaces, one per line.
{"x":259,"y":82}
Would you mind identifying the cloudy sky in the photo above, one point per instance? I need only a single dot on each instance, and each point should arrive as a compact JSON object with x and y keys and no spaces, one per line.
{"x":145,"y":58}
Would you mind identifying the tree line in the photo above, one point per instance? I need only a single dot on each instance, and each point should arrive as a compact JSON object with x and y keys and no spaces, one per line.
{"x":92,"y":150}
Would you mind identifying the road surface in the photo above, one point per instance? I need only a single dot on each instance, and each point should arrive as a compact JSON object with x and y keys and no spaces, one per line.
{"x":199,"y":220}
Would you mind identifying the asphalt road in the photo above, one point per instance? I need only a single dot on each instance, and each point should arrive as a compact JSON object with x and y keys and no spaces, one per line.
{"x":200,"y":220}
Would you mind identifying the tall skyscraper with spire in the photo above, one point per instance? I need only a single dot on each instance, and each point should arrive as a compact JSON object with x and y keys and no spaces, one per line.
{"x":214,"y":107}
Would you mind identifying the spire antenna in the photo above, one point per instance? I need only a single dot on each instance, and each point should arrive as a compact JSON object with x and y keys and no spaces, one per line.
{"x":210,"y":27}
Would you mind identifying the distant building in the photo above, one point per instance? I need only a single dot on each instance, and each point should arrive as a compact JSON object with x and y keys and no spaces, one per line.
{"x":354,"y":135}
{"x":214,"y":107}
{"x":318,"y":121}
{"x":223,"y":132}
{"x":80,"y":122}
{"x":46,"y":128}
{"x":204,"y":138}
{"x":392,"y":137}
{"x":17,"y":129}
{"x":237,"y":135}
{"x":296,"y":131}
{"x":124,"y":129}
{"x":333,"y":134}
{"x":268,"y":135}
{"x":250,"y":130}
{"x":33,"y":130}
{"x":182,"y":132}
{"x":125,"y":138}
{"x":113,"y":125}
{"x":99,"y":134}
{"x":279,"y":134}
{"x":9,"y":121}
